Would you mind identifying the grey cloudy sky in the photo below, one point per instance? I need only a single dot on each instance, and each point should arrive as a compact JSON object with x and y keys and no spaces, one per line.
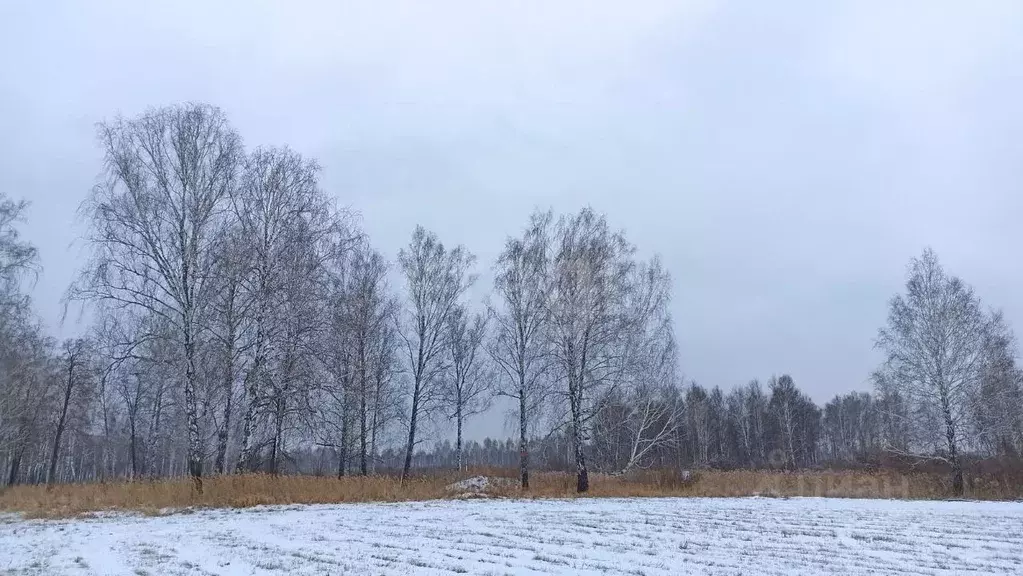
{"x":785,"y":158}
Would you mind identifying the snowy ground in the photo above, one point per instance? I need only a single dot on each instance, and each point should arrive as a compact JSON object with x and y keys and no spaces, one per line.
{"x":590,"y":536}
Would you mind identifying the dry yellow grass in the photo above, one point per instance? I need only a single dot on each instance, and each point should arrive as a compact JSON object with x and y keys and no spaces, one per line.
{"x":154,"y":497}
{"x":741,"y":483}
{"x":158,"y":497}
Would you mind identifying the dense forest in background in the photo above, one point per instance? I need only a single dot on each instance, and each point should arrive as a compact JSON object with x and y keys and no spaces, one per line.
{"x":241,"y":321}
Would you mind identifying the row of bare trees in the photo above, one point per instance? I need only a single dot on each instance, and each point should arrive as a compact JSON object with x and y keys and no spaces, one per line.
{"x":43,"y":384}
{"x":237,"y":315}
{"x":238,"y":320}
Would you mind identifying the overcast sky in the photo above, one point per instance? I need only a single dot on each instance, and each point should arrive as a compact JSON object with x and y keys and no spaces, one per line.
{"x":786,"y":159}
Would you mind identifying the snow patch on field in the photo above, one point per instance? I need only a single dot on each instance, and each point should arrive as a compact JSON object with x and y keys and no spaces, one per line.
{"x":499,"y":537}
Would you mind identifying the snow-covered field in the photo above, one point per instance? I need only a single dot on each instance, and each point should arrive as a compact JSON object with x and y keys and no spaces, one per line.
{"x":588,"y":536}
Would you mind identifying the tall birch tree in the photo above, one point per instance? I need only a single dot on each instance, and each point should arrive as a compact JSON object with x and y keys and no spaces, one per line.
{"x":590,"y":272}
{"x":435,"y":279}
{"x":155,"y":225}
{"x":934,"y":358}
{"x":519,"y":346}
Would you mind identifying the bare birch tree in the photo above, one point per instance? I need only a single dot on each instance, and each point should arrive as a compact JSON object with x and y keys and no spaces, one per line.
{"x":466,"y":388}
{"x":934,"y":347}
{"x":386,"y":397}
{"x":293,"y":377}
{"x":289,"y":233}
{"x":590,"y":271}
{"x":648,"y":371}
{"x":519,"y":345}
{"x":229,"y":329}
{"x":76,"y":379}
{"x":21,"y":341}
{"x":435,"y":279}
{"x":998,"y":409}
{"x":155,"y":226}
{"x":371,"y":309}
